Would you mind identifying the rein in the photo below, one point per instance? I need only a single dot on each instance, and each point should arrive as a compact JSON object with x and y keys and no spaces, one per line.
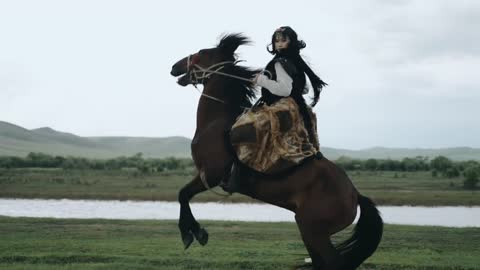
{"x":207,"y":72}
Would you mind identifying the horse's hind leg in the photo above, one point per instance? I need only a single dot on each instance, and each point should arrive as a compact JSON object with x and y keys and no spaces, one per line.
{"x":187,"y":224}
{"x":317,"y":241}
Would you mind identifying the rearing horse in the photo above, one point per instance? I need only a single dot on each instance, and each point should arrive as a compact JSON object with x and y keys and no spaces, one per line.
{"x":320,"y":194}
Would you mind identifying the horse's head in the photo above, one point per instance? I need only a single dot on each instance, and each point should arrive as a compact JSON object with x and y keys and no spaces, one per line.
{"x":206,"y":58}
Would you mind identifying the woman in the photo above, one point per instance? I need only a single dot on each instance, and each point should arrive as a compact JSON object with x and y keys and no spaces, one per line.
{"x":288,"y":70}
{"x":286,"y":78}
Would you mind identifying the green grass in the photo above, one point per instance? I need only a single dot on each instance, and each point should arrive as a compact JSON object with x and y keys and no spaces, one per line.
{"x":386,"y":188}
{"x":414,"y":188}
{"x":103,"y":185}
{"x":29,"y":243}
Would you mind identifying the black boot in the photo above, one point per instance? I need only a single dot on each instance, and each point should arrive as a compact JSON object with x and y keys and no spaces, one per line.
{"x":319,"y":155}
{"x":235,"y":182}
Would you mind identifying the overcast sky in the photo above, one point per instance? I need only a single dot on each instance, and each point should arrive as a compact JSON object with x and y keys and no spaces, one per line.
{"x":400,"y":73}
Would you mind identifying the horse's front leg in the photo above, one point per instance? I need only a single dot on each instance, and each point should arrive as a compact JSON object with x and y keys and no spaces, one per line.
{"x":187,"y":224}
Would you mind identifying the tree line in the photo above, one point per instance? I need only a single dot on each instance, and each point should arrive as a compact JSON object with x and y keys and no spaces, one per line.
{"x":439,"y":166}
{"x":41,"y":160}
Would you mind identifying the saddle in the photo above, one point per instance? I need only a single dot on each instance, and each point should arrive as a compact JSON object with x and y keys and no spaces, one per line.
{"x":272,"y":139}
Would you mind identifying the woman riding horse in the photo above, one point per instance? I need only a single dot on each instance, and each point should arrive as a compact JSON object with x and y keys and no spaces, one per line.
{"x":287,"y":72}
{"x":319,"y":193}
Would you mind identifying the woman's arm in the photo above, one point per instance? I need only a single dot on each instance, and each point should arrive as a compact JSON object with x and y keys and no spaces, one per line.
{"x":282,"y":86}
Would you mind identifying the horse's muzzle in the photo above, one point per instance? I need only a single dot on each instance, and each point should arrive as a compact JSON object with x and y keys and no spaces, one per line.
{"x":176,"y":71}
{"x":184,"y":80}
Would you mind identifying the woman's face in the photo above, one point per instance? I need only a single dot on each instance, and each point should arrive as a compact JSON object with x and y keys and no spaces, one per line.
{"x":281,"y":42}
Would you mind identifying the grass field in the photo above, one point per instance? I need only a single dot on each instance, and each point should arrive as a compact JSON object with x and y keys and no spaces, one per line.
{"x":27,"y":243}
{"x":386,"y":188}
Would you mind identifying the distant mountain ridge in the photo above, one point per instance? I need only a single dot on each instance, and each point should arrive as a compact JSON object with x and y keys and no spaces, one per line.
{"x":18,"y":141}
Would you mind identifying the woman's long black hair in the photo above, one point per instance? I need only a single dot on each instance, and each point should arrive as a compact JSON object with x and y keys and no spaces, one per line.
{"x":293,"y":53}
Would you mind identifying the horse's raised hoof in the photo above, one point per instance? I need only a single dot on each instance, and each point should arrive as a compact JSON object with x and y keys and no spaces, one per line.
{"x":202,"y":236}
{"x":187,"y":239}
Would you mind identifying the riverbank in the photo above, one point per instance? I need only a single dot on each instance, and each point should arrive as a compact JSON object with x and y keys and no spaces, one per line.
{"x":41,"y":244}
{"x":386,"y":188}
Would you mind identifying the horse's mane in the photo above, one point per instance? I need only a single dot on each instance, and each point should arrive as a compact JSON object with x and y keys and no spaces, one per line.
{"x":241,"y":93}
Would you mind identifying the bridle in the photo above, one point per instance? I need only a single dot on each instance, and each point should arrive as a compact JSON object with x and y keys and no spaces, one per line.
{"x":198,"y":74}
{"x":213,"y":69}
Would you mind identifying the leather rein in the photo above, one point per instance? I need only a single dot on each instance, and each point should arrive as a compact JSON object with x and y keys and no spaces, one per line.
{"x":199,"y":74}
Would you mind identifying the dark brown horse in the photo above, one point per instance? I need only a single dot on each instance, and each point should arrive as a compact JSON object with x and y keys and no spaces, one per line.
{"x":320,"y":194}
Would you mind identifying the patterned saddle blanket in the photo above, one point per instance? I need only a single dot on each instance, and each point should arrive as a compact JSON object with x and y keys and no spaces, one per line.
{"x":272,"y":139}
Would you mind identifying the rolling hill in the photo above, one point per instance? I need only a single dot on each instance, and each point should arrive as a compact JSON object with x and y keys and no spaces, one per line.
{"x":18,"y":141}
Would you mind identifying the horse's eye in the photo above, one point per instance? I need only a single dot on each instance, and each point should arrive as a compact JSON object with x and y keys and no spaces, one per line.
{"x":204,"y":55}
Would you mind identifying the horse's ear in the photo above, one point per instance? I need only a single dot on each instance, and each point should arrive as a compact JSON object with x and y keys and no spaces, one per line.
{"x":230,"y":43}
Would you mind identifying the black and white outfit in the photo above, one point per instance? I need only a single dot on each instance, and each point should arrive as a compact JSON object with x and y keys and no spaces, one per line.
{"x":280,"y":86}
{"x":287,"y":81}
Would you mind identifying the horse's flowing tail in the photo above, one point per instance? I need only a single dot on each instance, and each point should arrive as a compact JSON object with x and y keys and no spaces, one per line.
{"x":366,"y":235}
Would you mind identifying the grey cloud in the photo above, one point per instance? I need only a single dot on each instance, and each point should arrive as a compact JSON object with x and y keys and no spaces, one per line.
{"x":429,"y":47}
{"x":419,"y":30}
